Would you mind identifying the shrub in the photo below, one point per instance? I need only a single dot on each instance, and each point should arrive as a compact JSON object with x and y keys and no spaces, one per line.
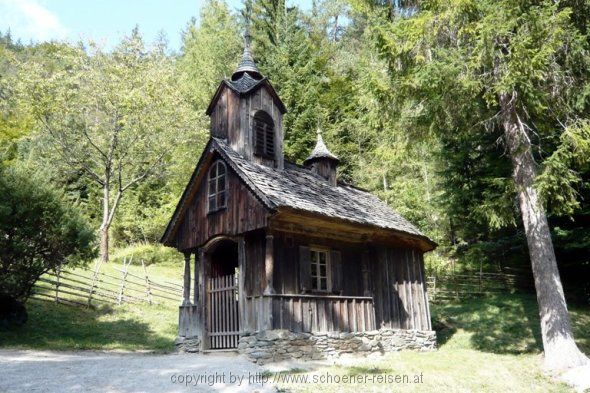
{"x":39,"y":230}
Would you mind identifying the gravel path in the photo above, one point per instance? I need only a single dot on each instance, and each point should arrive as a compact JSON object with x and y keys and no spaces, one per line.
{"x":86,"y":371}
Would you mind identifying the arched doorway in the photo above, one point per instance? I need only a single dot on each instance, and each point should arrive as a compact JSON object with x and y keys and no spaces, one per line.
{"x":223,"y":257}
{"x":223,"y":326}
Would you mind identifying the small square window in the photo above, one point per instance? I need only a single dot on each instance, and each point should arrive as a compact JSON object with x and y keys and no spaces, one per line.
{"x":319,"y":269}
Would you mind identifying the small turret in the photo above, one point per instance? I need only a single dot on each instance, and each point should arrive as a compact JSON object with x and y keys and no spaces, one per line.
{"x":322,"y":161}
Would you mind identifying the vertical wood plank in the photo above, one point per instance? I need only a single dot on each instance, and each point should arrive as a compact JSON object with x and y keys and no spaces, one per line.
{"x":354,"y":316}
{"x":307,"y":315}
{"x":344,"y":315}
{"x":411,"y":306}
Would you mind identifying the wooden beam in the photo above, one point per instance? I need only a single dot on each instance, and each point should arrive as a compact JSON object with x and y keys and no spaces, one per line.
{"x":365,"y":262}
{"x":269,"y":264}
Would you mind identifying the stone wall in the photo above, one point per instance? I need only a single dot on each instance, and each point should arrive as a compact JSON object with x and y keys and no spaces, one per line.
{"x":276,"y":345}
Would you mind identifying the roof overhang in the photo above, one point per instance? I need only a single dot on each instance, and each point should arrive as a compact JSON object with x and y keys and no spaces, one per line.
{"x":307,"y":223}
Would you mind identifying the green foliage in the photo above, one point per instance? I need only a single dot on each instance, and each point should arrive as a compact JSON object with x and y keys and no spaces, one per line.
{"x":449,"y":61}
{"x":559,"y":181}
{"x":295,"y":59}
{"x":39,"y":231}
{"x":210,"y":52}
{"x":405,"y":94}
{"x":109,"y":121}
{"x":151,"y":254}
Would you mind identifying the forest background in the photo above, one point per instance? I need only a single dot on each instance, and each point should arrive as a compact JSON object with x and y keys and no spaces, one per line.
{"x":133,"y":117}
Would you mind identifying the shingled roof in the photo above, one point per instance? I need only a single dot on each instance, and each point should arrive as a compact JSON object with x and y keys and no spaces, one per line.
{"x":320,"y":151}
{"x":244,"y":84}
{"x":296,"y":187}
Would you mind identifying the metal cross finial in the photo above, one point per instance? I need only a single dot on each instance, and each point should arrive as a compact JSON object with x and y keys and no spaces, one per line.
{"x":247,"y":38}
{"x":247,"y":64}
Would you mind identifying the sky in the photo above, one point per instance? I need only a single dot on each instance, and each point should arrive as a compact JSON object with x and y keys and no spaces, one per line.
{"x":104,"y":21}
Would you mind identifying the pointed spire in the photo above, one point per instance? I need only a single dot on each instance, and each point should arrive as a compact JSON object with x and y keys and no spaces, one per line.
{"x":246,"y":64}
{"x":320,"y":150}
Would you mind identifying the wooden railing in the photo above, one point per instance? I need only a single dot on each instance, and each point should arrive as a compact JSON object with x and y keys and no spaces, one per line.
{"x":444,"y":286}
{"x":309,"y":313}
{"x":84,"y":287}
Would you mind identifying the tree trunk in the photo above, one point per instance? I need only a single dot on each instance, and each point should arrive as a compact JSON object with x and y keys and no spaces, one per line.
{"x":104,"y":244}
{"x":560,"y":350}
{"x":104,"y":226}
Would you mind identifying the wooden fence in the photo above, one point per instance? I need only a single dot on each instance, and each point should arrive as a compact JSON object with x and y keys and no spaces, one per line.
{"x":462,"y":285}
{"x":86,"y":287}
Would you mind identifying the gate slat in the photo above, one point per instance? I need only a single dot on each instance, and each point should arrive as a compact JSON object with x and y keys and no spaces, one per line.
{"x":224,"y":314}
{"x":230,"y":310}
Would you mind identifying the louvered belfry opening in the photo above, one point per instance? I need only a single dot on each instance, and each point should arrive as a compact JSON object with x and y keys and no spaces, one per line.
{"x":264,"y":137}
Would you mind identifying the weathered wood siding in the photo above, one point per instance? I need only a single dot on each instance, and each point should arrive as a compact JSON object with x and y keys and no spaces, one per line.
{"x":399,"y":289}
{"x":395,"y":282}
{"x":231,"y":119}
{"x":243,"y":213}
{"x":286,"y":263}
{"x":255,"y":249}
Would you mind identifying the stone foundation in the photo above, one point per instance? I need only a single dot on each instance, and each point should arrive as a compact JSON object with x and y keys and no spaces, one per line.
{"x":188,"y":344}
{"x":276,"y":345}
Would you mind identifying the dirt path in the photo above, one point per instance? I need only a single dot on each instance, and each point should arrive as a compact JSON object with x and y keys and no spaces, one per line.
{"x":45,"y":371}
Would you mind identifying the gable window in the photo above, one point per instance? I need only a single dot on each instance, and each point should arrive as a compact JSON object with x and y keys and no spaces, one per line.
{"x":264,"y":137}
{"x":217,"y":190}
{"x":319,"y":264}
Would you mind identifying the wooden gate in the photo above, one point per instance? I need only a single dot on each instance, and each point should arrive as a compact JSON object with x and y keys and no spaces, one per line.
{"x":223,"y":317}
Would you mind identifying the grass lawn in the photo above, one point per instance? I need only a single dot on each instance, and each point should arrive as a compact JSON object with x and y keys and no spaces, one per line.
{"x":126,"y":327}
{"x":107,"y":327}
{"x":490,"y":344}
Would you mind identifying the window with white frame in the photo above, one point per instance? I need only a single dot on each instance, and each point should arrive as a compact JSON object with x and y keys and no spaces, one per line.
{"x":320,"y":263}
{"x":217,"y":192}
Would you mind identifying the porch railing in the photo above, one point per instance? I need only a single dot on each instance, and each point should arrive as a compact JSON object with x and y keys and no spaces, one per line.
{"x":309,"y":313}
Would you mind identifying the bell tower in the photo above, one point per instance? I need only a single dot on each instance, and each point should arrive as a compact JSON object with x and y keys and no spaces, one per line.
{"x":247,"y":112}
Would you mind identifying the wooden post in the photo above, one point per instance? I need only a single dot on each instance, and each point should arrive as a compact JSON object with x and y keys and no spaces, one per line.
{"x":269,"y":264}
{"x":94,"y":279}
{"x":186,"y":298}
{"x":365,"y":258}
{"x":148,"y":290}
{"x":196,"y":287}
{"x":434,"y":288}
{"x":202,"y":300}
{"x":480,"y":274}
{"x":123,"y":279}
{"x":57,"y":283}
{"x":242,"y":283}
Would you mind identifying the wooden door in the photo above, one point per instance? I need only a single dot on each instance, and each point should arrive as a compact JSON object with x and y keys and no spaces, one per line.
{"x":223,"y":317}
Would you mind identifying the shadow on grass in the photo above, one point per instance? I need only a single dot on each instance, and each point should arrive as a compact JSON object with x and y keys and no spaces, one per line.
{"x":505,"y":324}
{"x":60,"y":327}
